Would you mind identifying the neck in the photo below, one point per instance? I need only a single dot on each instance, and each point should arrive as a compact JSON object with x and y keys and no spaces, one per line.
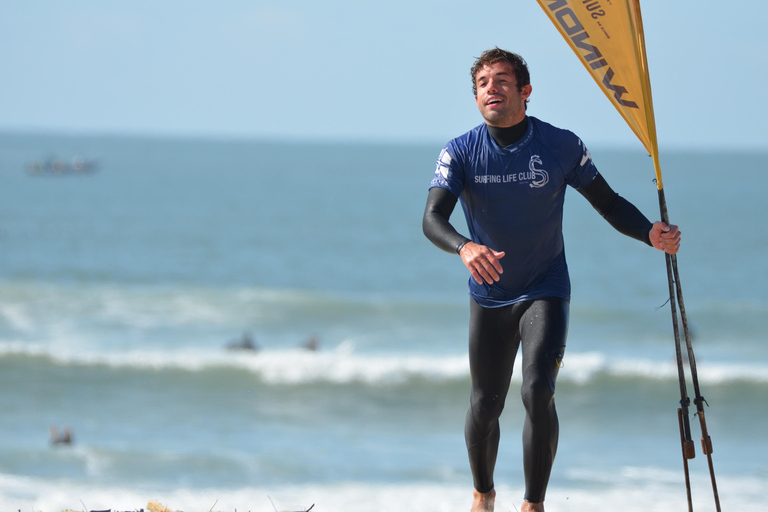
{"x":504,"y":136}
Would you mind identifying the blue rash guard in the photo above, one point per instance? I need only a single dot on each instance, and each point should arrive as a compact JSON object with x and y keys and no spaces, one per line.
{"x":513,"y":199}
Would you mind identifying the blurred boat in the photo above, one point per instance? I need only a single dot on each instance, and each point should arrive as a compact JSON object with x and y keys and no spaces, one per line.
{"x":61,"y":166}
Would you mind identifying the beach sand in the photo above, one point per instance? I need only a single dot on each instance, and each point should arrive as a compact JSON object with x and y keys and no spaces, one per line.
{"x":152,"y":506}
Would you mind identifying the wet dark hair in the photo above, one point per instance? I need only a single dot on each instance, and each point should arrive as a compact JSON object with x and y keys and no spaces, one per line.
{"x":488,"y":57}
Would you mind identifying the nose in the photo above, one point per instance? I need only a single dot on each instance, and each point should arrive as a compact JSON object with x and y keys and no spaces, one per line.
{"x":492,"y":86}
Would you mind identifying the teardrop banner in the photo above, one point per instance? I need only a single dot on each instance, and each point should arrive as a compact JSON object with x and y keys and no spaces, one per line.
{"x":607,"y":36}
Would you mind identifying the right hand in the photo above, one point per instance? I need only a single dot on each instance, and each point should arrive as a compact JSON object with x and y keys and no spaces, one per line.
{"x":482,"y":262}
{"x":665,"y":238}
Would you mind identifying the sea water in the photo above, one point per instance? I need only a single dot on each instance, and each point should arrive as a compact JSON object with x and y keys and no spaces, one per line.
{"x":121,"y":287}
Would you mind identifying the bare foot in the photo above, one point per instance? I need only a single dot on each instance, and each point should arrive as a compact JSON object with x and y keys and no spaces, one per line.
{"x":483,"y":501}
{"x":532,"y":507}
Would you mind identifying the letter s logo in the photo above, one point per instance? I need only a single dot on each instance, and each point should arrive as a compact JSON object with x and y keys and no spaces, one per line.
{"x":540,"y":176}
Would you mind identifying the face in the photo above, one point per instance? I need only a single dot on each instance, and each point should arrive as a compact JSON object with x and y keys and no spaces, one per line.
{"x":498,"y":99}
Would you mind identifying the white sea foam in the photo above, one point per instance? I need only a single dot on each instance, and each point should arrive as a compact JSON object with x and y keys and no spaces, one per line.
{"x":344,"y":365}
{"x":626,"y":494}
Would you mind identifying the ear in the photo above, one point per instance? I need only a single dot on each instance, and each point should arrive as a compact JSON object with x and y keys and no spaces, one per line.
{"x":526,"y":91}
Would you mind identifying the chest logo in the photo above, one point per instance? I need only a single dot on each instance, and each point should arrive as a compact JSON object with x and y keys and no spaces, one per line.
{"x":540,"y":176}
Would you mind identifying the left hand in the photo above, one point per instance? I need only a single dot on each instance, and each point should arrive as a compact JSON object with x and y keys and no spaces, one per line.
{"x":665,"y":238}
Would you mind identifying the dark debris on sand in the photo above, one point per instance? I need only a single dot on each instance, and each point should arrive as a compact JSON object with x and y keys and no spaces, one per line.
{"x":154,"y":506}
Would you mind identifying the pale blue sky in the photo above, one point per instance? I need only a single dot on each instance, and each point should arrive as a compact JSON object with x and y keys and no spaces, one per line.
{"x":393,"y":70}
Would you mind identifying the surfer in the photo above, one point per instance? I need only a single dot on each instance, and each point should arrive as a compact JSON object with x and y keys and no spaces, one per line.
{"x":510,"y":174}
{"x":244,"y":343}
{"x":312,"y":343}
{"x":63,"y":437}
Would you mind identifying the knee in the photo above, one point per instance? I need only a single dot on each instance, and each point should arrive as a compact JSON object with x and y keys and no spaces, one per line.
{"x":486,"y":411}
{"x":538,"y":391}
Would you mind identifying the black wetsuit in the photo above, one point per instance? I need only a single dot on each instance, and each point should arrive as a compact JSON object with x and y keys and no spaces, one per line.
{"x":496,"y":333}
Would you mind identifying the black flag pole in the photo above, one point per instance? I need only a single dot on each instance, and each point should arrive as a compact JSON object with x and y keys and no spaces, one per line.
{"x":676,"y":301}
{"x":699,"y":401}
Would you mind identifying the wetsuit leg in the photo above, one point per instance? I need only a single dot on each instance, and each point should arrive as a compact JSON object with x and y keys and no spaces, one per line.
{"x":543,"y":329}
{"x":494,"y":337}
{"x":492,"y":349}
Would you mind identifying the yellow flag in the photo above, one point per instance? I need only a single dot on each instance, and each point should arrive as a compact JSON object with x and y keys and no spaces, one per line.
{"x":607,"y":36}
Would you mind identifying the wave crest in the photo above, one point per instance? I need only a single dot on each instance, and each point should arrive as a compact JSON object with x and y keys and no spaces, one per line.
{"x":342,"y":365}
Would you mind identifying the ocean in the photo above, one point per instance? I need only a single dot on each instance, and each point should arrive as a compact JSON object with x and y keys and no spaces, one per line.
{"x":123,"y":286}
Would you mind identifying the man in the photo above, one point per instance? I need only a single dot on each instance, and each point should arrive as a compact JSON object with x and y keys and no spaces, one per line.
{"x":510,"y":174}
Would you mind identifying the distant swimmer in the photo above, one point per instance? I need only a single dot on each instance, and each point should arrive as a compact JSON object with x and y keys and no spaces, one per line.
{"x":510,"y":174}
{"x":312,"y":343}
{"x":244,"y":343}
{"x":63,"y":437}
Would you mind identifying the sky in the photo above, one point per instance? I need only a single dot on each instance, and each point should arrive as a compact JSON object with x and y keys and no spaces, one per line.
{"x":389,"y":71}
